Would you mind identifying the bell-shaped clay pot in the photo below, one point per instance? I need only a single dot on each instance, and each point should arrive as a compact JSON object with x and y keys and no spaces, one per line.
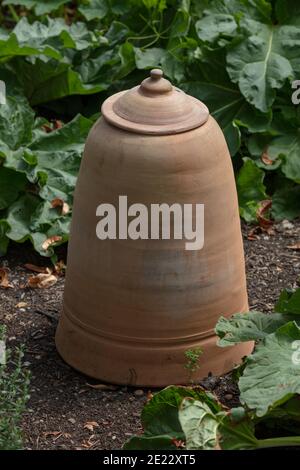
{"x":133,"y":305}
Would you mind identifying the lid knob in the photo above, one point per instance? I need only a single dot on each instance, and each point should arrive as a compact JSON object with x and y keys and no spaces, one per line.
{"x":156,"y":84}
{"x":156,"y":74}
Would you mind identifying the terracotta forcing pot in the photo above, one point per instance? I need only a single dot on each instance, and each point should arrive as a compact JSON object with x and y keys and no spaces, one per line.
{"x":132,"y":307}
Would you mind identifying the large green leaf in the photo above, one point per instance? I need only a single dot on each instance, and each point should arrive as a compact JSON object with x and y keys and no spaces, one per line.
{"x":289,"y":302}
{"x":158,"y":57}
{"x":41,"y":7}
{"x":44,"y":82}
{"x":160,"y":417}
{"x":250,"y":326}
{"x":263,"y":60}
{"x":19,"y":216}
{"x":237,"y":433}
{"x":55,"y":33}
{"x":283,"y":148}
{"x":288,"y":12}
{"x":58,"y":156}
{"x":10,"y":47}
{"x":287,"y":147}
{"x":70,"y":137}
{"x":221,"y":18}
{"x":16,"y":122}
{"x":229,"y":108}
{"x":149,"y":57}
{"x":199,"y":425}
{"x":22,"y":218}
{"x":51,"y":39}
{"x":11,"y":183}
{"x":251,"y":189}
{"x":4,"y":240}
{"x":51,"y":77}
{"x":218,"y":21}
{"x":94,"y":9}
{"x":272,"y":372}
{"x":286,"y":202}
{"x":51,"y":161}
{"x":212,"y":85}
{"x":180,"y":26}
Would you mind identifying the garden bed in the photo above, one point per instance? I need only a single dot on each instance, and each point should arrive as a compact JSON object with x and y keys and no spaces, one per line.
{"x":63,"y":411}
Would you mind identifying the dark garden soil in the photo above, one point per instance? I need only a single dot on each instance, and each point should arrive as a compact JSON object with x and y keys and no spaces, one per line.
{"x":64,"y":411}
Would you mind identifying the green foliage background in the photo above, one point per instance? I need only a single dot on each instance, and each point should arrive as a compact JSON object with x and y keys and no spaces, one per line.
{"x":61,"y":59}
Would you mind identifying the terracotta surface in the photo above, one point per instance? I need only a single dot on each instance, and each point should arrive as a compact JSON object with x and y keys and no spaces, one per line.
{"x":154,"y":107}
{"x":133,"y":307}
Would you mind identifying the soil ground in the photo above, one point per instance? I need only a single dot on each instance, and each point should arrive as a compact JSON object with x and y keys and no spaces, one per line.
{"x":63,"y":407}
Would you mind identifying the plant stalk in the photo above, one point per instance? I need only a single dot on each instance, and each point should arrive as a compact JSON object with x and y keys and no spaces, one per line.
{"x":279,"y":442}
{"x":13,"y":13}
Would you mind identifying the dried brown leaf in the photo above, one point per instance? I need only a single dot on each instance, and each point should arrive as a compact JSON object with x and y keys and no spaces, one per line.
{"x":87,"y":444}
{"x":41,"y":281}
{"x":4,"y":280}
{"x":21,"y":305}
{"x":265,"y":224}
{"x":57,"y":124}
{"x":296,"y":246}
{"x":50,"y":241}
{"x":52,"y":433}
{"x":265,"y":158}
{"x":65,"y":208}
{"x":37,"y":269}
{"x":56,"y":435}
{"x":90,"y":425}
{"x":47,"y":128}
{"x":252,"y":234}
{"x":149,"y":395}
{"x":60,"y":268}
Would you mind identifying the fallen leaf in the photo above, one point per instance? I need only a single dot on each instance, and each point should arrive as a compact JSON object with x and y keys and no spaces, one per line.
{"x":4,"y":281}
{"x":102,"y":386}
{"x":52,"y":433}
{"x":50,"y":241}
{"x":265,"y":158}
{"x":252,"y":234}
{"x":90,"y":425}
{"x":60,"y":268}
{"x":87,"y":444}
{"x":22,"y":305}
{"x":294,"y":247}
{"x":264,"y":223}
{"x":149,"y":395}
{"x":56,"y":434}
{"x":65,"y":208}
{"x":41,"y":281}
{"x":37,"y":269}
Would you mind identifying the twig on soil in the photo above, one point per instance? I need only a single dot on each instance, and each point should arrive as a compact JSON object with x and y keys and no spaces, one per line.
{"x":46,"y":314}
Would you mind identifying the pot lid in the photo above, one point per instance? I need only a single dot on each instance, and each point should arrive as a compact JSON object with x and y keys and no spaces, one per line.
{"x":154,"y":107}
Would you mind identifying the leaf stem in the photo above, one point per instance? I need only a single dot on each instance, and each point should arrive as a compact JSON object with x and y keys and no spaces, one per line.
{"x":13,"y":13}
{"x":279,"y":442}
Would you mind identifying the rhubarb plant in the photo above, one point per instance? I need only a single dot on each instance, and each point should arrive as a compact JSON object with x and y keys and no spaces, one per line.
{"x":269,"y":384}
